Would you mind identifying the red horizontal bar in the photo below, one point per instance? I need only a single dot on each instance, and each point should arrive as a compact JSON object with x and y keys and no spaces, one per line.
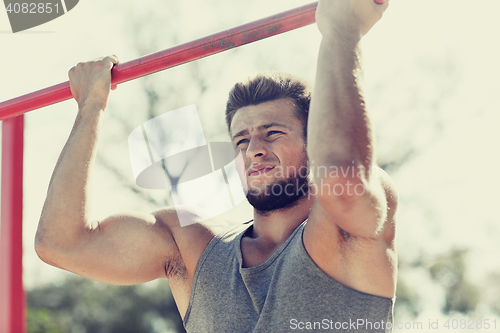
{"x":172,"y":57}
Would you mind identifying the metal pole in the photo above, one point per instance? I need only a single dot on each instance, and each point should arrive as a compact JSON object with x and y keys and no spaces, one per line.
{"x":172,"y":57}
{"x":12,"y":297}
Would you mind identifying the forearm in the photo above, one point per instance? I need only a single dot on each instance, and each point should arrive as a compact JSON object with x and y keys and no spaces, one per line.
{"x":65,"y":215}
{"x":339,"y":132}
{"x":121,"y":249}
{"x":340,"y":138}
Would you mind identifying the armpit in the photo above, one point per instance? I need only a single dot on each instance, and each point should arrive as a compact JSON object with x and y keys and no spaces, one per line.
{"x":175,"y":267}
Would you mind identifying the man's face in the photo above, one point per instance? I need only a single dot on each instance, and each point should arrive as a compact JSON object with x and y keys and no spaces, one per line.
{"x":270,"y":138}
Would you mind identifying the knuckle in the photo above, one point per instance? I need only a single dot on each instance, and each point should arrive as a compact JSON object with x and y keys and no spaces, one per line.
{"x":101,"y":61}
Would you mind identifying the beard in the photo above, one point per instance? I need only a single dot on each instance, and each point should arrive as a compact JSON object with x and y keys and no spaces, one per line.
{"x":282,"y":194}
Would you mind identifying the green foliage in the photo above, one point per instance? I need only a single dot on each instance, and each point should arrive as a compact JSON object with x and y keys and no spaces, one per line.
{"x":79,"y":305}
{"x":450,"y":271}
{"x":491,"y":291}
{"x":406,"y":300}
{"x":42,"y":321}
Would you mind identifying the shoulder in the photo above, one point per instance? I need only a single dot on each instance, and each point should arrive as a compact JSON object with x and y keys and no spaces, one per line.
{"x":190,"y":220}
{"x":192,"y":230}
{"x":343,"y":224}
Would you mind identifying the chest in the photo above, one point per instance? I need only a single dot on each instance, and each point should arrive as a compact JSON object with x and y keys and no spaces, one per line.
{"x":254,"y":254}
{"x":264,"y":298}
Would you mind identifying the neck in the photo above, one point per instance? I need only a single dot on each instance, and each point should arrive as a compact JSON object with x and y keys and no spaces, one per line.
{"x":276,"y":226}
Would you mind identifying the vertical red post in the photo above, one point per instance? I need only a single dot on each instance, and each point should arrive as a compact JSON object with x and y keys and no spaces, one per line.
{"x":12,"y":297}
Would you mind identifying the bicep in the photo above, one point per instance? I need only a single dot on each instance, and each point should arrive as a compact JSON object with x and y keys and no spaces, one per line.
{"x":123,"y":249}
{"x":363,"y":207}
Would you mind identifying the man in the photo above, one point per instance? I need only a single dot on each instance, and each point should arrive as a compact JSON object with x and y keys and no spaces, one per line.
{"x":318,"y":257}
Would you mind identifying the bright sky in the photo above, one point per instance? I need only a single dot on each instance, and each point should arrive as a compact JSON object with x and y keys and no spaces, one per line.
{"x":426,"y":63}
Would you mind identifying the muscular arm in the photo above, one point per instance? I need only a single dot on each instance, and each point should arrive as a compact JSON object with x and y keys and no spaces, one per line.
{"x":121,"y":249}
{"x":339,"y":132}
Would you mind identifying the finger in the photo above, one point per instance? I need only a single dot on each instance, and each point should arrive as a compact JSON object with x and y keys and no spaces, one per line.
{"x":109,"y":61}
{"x":113,"y":58}
{"x":110,"y":58}
{"x":382,"y":4}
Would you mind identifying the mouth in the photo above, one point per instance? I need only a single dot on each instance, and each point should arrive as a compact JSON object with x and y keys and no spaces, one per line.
{"x":259,"y":171}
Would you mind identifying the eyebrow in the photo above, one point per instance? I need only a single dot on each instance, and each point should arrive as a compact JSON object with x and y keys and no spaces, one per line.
{"x":260,"y":128}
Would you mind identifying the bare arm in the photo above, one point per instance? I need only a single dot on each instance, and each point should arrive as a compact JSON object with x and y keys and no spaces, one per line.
{"x":340,"y":135}
{"x":121,"y":249}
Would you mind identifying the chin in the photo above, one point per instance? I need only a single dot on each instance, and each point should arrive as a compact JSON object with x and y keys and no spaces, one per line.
{"x":281,"y":194}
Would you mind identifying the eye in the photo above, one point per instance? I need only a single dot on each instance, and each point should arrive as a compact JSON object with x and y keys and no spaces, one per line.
{"x":241,"y":141}
{"x":273,"y":132}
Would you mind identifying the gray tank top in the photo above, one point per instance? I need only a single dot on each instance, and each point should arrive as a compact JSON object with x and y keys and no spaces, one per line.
{"x":287,"y":293}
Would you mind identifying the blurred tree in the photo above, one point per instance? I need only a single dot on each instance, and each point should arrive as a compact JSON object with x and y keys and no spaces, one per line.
{"x":450,"y":271}
{"x":411,"y":115}
{"x":41,"y":320}
{"x":491,"y":292}
{"x":407,"y":300}
{"x":79,"y":305}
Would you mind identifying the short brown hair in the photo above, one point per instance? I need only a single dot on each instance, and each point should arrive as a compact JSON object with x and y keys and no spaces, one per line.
{"x":268,"y":87}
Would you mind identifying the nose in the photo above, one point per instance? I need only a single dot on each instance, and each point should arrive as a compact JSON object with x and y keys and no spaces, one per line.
{"x":256,"y":148}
